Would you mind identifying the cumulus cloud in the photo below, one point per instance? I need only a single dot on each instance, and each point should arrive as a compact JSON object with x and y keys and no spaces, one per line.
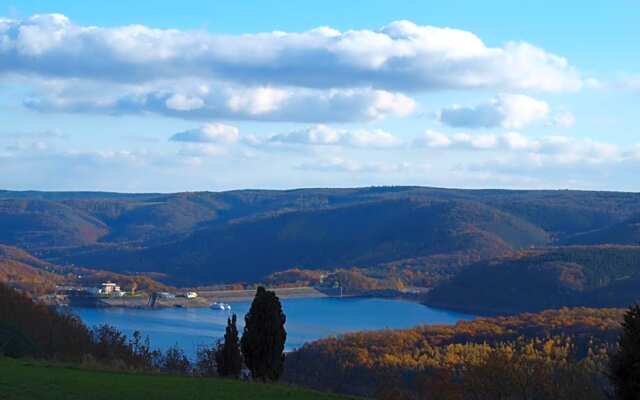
{"x":206,"y":102}
{"x":197,"y":151}
{"x":338,"y":164}
{"x":548,"y":149}
{"x":399,"y":56}
{"x":325,"y":135}
{"x":181,"y":102}
{"x":209,"y":133}
{"x":510,"y":111}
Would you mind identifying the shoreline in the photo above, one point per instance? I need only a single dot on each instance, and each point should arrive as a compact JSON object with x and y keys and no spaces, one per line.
{"x":480,"y":312}
{"x":204,"y":299}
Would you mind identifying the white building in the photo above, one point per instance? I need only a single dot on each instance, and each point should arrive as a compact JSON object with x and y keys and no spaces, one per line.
{"x":110,"y":289}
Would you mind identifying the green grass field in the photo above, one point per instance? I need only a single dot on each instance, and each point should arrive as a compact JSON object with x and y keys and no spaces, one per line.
{"x":27,"y":380}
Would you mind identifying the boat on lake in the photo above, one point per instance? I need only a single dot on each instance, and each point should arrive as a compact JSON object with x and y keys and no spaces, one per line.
{"x":220,"y":306}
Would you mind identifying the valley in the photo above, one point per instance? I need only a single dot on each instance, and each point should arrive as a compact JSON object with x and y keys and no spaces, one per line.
{"x":369,"y":241}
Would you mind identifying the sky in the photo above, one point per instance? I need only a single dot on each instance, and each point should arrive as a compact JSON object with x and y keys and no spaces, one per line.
{"x":166,"y":96}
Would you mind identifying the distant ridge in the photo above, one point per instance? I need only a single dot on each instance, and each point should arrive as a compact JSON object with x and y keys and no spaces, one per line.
{"x":245,"y":235}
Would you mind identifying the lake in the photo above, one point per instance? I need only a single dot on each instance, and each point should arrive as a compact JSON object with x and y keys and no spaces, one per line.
{"x":307,"y":319}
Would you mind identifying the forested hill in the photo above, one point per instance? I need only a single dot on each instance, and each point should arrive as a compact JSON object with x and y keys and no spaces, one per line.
{"x":246,"y":235}
{"x":498,"y":358}
{"x":586,"y":276}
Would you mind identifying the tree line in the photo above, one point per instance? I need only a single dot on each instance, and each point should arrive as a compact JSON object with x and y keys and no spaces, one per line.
{"x":557,"y":354}
{"x":32,"y":329}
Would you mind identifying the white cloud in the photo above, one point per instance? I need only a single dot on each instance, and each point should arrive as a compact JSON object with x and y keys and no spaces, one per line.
{"x":399,"y":56}
{"x":338,"y":164}
{"x":433,"y":139}
{"x":510,"y":111}
{"x":563,"y":119}
{"x":205,"y":102}
{"x":180,"y":102}
{"x":262,"y":100}
{"x":547,"y":149}
{"x":209,"y":133}
{"x":325,"y":135}
{"x":198,"y":150}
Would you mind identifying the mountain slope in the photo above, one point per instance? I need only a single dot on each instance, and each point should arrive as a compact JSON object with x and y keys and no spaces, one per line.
{"x":589,"y":276}
{"x":364,"y":234}
{"x":20,"y":269}
{"x":36,"y":223}
{"x":248,"y":234}
{"x":625,"y":232}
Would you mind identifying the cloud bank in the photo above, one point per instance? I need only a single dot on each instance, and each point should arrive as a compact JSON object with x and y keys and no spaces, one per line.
{"x":555,"y":149}
{"x":509,"y":111}
{"x":208,"y":133}
{"x":207,"y":102}
{"x":400,"y":56}
{"x":325,"y":135}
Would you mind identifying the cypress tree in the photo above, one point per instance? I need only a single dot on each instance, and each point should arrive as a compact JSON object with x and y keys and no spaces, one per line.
{"x":625,"y":364}
{"x":228,"y":357}
{"x":264,"y":336}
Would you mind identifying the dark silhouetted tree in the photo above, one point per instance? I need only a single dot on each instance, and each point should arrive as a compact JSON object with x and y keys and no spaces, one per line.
{"x":264,"y":336}
{"x":13,"y":343}
{"x":174,"y":361}
{"x":206,"y":361}
{"x":625,"y":364}
{"x":228,"y":357}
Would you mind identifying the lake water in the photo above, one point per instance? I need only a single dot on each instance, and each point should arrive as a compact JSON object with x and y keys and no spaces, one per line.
{"x":307,"y":319}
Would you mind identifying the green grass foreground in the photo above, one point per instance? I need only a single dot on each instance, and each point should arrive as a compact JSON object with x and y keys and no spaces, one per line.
{"x":26,"y":380}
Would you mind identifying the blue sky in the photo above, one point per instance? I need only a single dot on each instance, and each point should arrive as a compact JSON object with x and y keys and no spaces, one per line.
{"x":200,"y":95}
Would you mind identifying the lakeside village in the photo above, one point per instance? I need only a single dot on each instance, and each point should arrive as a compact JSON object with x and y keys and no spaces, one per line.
{"x":110,"y":293}
{"x":113,"y":290}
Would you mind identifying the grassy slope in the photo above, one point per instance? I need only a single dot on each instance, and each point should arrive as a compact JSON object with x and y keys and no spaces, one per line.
{"x":28,"y":380}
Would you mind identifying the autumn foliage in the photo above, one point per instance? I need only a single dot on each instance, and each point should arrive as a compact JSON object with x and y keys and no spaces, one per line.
{"x":527,"y":356}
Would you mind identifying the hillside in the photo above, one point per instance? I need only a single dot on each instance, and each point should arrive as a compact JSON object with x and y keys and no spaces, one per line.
{"x":625,"y":232}
{"x":487,"y":355}
{"x":20,"y":269}
{"x":590,"y":276}
{"x":28,"y":380}
{"x":35,"y":223}
{"x":207,"y":237}
{"x":365,"y":234}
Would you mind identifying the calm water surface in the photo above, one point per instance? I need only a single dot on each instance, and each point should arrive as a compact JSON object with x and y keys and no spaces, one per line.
{"x":307,"y":319}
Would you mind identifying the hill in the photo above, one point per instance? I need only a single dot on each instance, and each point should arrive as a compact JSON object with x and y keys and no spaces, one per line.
{"x":501,"y":357}
{"x":625,"y":232}
{"x":28,"y":380}
{"x":20,"y":269}
{"x":34,"y":223}
{"x":590,"y":276}
{"x":206,"y":237}
{"x":365,"y":234}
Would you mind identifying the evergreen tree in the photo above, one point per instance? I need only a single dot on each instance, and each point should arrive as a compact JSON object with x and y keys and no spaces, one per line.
{"x":228,"y":357}
{"x":625,"y":364}
{"x":264,"y":336}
